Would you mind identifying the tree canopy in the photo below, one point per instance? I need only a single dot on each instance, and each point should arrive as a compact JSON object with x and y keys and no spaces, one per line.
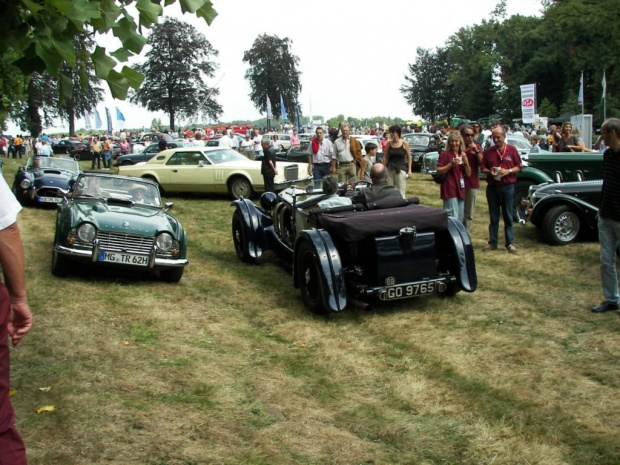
{"x":273,"y":73}
{"x":486,"y":64}
{"x":175,"y":70}
{"x":39,"y":34}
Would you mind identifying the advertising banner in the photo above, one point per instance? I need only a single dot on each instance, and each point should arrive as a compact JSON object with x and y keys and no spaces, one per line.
{"x":528,"y":102}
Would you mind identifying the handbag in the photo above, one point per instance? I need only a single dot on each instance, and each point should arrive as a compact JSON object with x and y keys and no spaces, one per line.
{"x":439,"y":178}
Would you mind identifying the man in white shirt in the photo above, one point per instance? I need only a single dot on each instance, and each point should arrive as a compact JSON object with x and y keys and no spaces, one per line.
{"x":257,"y":148}
{"x":225,"y":141}
{"x":45,"y":150}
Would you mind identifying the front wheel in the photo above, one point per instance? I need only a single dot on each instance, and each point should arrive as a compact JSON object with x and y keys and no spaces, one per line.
{"x":561,"y":225}
{"x":309,"y":279}
{"x":522,"y":189}
{"x":173,"y":275}
{"x":240,"y":239}
{"x":239,"y":187}
{"x":60,"y":265}
{"x":76,"y":157}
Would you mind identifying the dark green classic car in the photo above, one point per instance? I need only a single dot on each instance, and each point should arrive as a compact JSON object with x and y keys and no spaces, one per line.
{"x":118,"y":221}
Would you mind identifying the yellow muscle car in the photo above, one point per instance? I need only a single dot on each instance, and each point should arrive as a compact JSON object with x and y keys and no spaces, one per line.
{"x":213,"y":170}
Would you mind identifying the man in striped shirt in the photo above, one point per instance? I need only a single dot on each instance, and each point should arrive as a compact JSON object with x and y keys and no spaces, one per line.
{"x":609,"y":216}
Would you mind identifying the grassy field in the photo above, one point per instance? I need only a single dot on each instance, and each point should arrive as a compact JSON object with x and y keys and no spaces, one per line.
{"x":228,"y":367}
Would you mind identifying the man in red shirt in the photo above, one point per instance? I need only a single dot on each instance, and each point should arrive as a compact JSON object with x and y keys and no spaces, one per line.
{"x":501,"y":163}
{"x":473,"y":150}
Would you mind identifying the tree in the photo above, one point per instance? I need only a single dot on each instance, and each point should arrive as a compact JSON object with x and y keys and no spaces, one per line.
{"x":429,"y":91}
{"x":42,"y":96}
{"x":40,"y":33}
{"x":273,"y":73}
{"x":174,"y":83}
{"x":85,"y":91}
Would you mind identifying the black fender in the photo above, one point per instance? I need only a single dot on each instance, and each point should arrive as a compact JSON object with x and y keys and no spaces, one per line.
{"x":328,"y":260}
{"x":586,"y":211}
{"x":464,"y":255}
{"x":252,"y":223}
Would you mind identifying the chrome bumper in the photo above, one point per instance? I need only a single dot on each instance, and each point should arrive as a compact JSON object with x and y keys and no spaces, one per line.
{"x":93,"y":255}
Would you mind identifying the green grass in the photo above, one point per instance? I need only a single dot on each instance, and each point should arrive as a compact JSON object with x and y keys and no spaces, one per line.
{"x":229,"y":367}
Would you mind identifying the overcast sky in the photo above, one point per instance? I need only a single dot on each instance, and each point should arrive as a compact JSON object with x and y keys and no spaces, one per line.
{"x":353,"y":55}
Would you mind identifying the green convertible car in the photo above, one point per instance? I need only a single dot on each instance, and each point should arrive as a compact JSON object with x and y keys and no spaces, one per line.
{"x":117,"y":221}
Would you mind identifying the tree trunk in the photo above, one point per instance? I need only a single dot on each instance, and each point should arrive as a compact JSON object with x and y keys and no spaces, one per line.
{"x":71,"y":118}
{"x":171,"y":119}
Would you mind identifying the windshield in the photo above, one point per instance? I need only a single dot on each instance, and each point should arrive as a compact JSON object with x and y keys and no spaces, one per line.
{"x":224,"y":156}
{"x":416,"y":139}
{"x":57,"y":163}
{"x":520,"y":143}
{"x":117,"y":187}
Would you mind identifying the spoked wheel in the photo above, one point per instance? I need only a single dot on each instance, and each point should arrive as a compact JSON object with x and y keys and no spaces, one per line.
{"x":309,"y":279}
{"x":561,"y":225}
{"x":240,"y":239}
{"x":240,"y":187}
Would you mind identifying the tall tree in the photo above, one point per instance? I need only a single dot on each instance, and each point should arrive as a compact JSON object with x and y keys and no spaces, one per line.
{"x":85,"y":92}
{"x":40,"y":105}
{"x":175,"y":83}
{"x":428,"y":89}
{"x":273,"y":73}
{"x":40,"y":33}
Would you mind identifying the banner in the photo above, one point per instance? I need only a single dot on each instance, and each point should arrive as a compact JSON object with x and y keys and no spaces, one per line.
{"x":109,"y":118}
{"x":580,"y":96}
{"x":87,"y":123}
{"x":120,"y":118}
{"x":604,"y":84}
{"x":528,"y":102}
{"x":283,"y":114}
{"x":268,"y":108}
{"x":97,"y":120}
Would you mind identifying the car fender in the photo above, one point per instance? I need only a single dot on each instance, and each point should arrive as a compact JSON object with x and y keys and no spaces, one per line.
{"x":252,"y":225}
{"x":585,"y":210}
{"x":464,"y":253}
{"x":328,"y":260}
{"x":534,"y":175}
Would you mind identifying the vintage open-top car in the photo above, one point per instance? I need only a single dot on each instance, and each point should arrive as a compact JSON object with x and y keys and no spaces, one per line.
{"x":118,"y":221}
{"x":388,"y":250}
{"x":564,"y":212}
{"x":44,"y":180}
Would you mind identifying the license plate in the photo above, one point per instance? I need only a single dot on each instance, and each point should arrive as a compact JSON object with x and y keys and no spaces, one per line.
{"x":50,"y":199}
{"x":125,"y":258}
{"x":405,"y":291}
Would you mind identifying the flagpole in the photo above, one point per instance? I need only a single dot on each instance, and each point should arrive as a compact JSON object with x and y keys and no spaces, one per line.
{"x":582,"y":97}
{"x":604,"y":97}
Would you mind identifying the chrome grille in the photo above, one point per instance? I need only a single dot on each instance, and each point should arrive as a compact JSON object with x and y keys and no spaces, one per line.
{"x":129,"y":243}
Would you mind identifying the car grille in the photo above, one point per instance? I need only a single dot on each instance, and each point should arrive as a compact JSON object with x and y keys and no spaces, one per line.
{"x":125,"y":243}
{"x":49,"y":192}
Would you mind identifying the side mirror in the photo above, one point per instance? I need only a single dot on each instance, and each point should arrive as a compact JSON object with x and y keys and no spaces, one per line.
{"x":168,"y":206}
{"x":201,"y":163}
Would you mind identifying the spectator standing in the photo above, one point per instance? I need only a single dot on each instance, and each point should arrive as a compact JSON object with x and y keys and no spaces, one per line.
{"x":268,"y":166}
{"x":96,"y":148}
{"x":478,"y":135}
{"x":320,"y":154}
{"x":246,"y":146}
{"x":257,"y":143}
{"x":162,"y":144}
{"x":535,"y":147}
{"x":107,"y":153}
{"x":18,"y":144}
{"x":125,"y":147}
{"x":225,"y":141}
{"x":295,"y":139}
{"x":609,"y":216}
{"x":45,"y":150}
{"x":347,"y":153}
{"x":473,"y":150}
{"x":397,"y":159}
{"x":454,"y":164}
{"x":501,"y":163}
{"x":15,"y":319}
{"x":567,"y":141}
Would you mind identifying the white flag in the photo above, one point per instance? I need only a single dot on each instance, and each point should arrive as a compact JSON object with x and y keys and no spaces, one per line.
{"x":580,"y":97}
{"x":268,"y":108}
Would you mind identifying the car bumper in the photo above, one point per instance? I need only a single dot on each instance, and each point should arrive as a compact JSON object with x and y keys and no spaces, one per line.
{"x":93,"y":256}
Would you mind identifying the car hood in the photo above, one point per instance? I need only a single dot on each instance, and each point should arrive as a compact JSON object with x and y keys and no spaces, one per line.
{"x":136,"y":219}
{"x":53,"y":178}
{"x":570,"y":188}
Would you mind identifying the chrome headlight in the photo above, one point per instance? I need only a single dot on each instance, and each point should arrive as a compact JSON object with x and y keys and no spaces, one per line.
{"x":164,"y":242}
{"x":86,"y":232}
{"x":25,"y":183}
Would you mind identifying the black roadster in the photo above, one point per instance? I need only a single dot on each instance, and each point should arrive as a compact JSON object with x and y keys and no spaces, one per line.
{"x":352,"y":254}
{"x":44,"y":180}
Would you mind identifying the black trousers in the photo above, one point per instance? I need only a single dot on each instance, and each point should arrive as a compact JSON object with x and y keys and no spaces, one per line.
{"x":268,"y":179}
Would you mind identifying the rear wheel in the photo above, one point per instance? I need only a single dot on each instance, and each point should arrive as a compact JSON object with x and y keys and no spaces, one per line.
{"x":309,"y":279}
{"x":521,"y":192}
{"x":240,"y":239}
{"x":173,"y":275}
{"x":76,"y":157}
{"x":561,"y":225}
{"x":240,"y":187}
{"x":60,"y":265}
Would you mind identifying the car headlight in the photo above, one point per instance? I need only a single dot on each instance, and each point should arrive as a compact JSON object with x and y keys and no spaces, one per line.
{"x":86,"y":232}
{"x":164,"y":242}
{"x":25,"y":183}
